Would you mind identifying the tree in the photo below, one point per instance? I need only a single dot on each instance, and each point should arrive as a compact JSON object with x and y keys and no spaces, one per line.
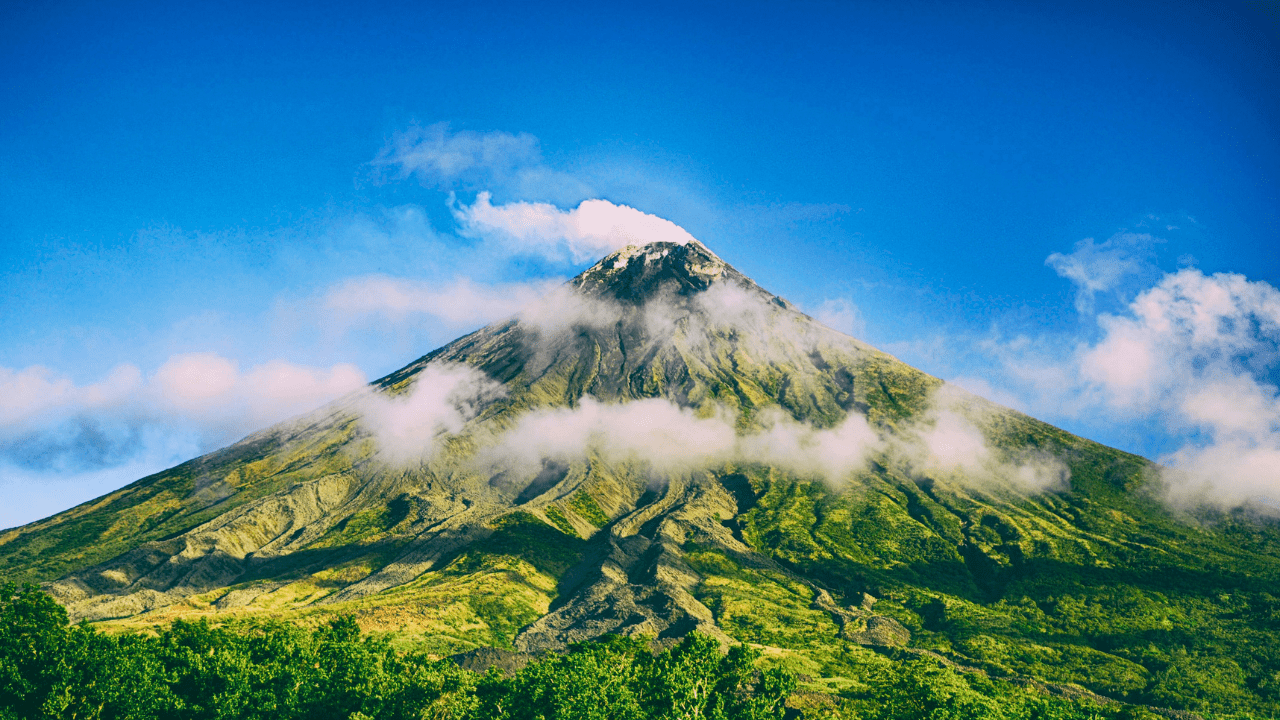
{"x":34,"y":638}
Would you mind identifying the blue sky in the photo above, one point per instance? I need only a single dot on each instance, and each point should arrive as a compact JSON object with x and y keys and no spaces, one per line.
{"x":190,"y":193}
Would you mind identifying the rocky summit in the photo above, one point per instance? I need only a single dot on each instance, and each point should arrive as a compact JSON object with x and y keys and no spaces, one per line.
{"x":663,"y":446}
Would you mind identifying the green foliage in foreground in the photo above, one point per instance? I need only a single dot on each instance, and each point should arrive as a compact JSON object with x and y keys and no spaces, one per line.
{"x":193,"y":671}
{"x":924,"y":690}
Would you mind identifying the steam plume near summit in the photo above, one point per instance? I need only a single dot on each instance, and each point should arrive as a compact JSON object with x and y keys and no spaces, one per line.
{"x":592,"y":229}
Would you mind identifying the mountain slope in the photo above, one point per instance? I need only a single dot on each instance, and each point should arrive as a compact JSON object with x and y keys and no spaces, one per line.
{"x":857,"y":511}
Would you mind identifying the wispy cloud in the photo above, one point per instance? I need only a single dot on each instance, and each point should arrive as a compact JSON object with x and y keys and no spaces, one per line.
{"x":656,"y":432}
{"x":841,"y":314}
{"x":213,"y":392}
{"x":439,"y":156}
{"x":410,"y":427}
{"x":1101,"y":267}
{"x":460,"y":302}
{"x":1191,"y":359}
{"x":35,"y":395}
{"x":508,"y":163}
{"x":947,"y":441}
{"x":670,"y":438}
{"x":51,"y":425}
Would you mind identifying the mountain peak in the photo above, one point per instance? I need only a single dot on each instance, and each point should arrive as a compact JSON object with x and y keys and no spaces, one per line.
{"x":636,"y":273}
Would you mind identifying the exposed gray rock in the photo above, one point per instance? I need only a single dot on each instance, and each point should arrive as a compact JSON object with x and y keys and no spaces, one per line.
{"x":635,"y":582}
{"x":481,"y":659}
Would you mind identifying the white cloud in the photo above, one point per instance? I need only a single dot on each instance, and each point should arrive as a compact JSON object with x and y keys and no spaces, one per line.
{"x":1231,"y":406}
{"x":440,"y":157}
{"x":1201,"y":351}
{"x":1193,"y":360}
{"x":1128,"y":367}
{"x":1187,"y":331}
{"x":653,"y":430}
{"x":830,"y":453}
{"x":508,"y":163}
{"x":36,"y":395}
{"x":673,"y":439}
{"x":211,"y":392}
{"x":195,"y":383}
{"x":459,"y":303}
{"x":1100,"y":267}
{"x":953,"y":443}
{"x":947,"y":441}
{"x":48,"y":418}
{"x":841,"y":314}
{"x":592,"y":229}
{"x":442,"y":398}
{"x":557,"y":314}
{"x":278,"y":390}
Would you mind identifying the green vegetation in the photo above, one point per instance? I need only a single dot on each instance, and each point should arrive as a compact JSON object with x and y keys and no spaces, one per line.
{"x":480,"y":598}
{"x":1130,"y":604}
{"x":276,"y":670}
{"x":367,"y":525}
{"x":523,"y":535}
{"x":559,"y":520}
{"x":161,"y":507}
{"x":192,"y":671}
{"x":588,"y":509}
{"x":926,"y":690}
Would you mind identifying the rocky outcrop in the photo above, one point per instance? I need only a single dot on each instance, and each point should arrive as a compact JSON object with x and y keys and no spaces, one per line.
{"x":634,"y":581}
{"x":859,"y":624}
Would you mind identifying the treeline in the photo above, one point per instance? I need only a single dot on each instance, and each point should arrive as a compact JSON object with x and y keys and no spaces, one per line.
{"x":278,"y":671}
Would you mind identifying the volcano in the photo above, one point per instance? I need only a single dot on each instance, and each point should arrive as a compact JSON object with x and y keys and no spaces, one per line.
{"x":663,"y":446}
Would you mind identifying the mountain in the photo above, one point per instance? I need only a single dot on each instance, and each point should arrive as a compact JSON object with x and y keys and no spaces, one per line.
{"x":664,"y":446}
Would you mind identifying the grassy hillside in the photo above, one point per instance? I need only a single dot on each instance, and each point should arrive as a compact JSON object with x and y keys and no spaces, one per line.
{"x":1122,"y":601}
